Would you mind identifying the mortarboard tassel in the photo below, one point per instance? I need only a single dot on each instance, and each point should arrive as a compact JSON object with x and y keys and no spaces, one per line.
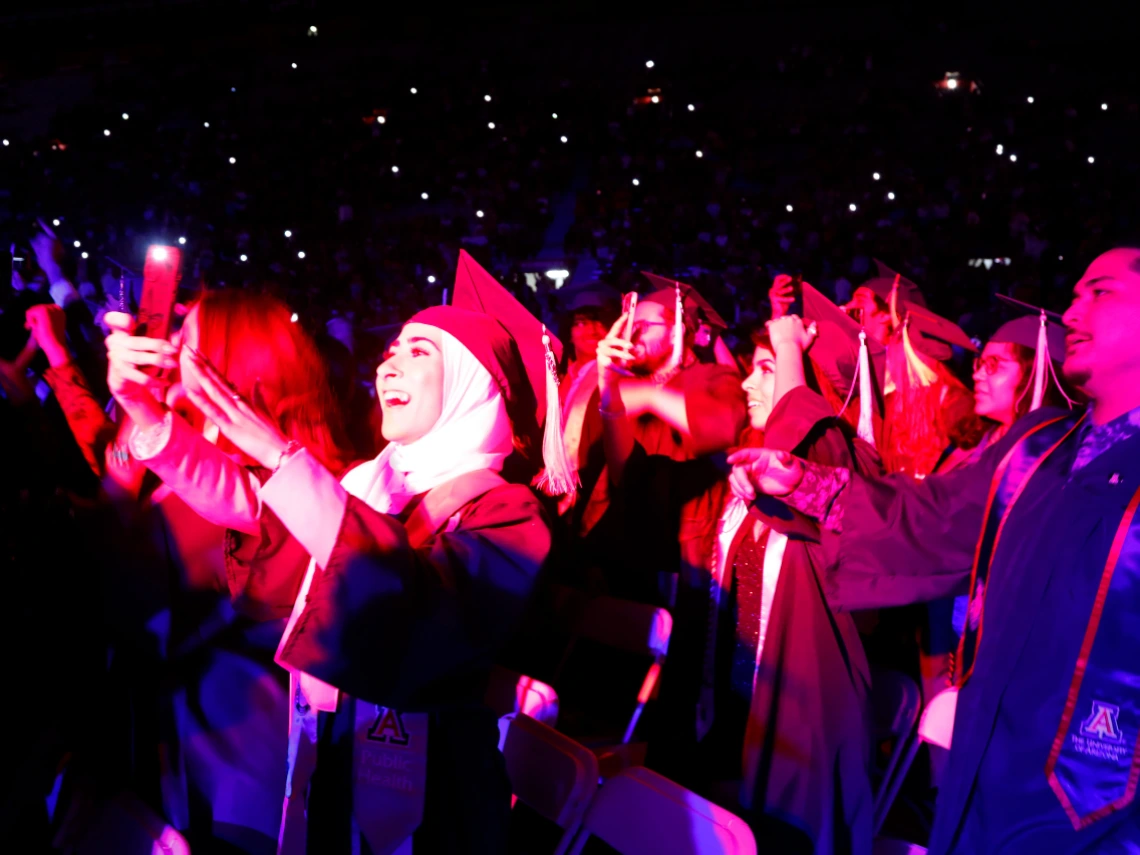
{"x":894,"y":301}
{"x":866,"y":428}
{"x":678,"y":331}
{"x":560,"y":475}
{"x":917,"y":370}
{"x":1040,"y":369}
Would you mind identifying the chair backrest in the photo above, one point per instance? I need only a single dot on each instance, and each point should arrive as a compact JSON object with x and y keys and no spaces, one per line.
{"x":895,"y":704}
{"x":549,"y":772}
{"x":626,"y":625}
{"x":511,"y":692}
{"x":937,"y":723}
{"x":638,"y":812}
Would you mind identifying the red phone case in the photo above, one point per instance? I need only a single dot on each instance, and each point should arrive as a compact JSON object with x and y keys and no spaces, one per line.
{"x":160,"y":287}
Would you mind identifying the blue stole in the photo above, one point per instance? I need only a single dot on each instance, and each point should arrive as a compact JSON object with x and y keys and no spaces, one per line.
{"x":1094,"y":765}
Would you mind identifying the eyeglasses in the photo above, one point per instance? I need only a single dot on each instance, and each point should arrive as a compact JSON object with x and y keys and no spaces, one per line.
{"x":989,"y":364}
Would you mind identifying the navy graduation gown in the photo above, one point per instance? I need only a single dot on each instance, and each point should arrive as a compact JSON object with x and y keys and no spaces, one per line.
{"x":906,"y":542}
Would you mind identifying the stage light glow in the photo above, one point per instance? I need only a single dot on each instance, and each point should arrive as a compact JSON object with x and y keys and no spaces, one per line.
{"x":479,"y":214}
{"x":636,"y":182}
{"x":692,"y":107}
{"x":380,"y":120}
{"x":649,"y":64}
{"x":852,"y":207}
{"x":233,"y":160}
{"x":83,"y":255}
{"x":6,"y":143}
{"x":656,"y":99}
{"x":243,"y":258}
{"x":1000,"y":149}
{"x":491,"y":125}
{"x":395,"y":169}
{"x":414,"y":90}
{"x":205,"y":124}
{"x":554,"y":115}
{"x":55,"y":222}
{"x":301,"y":255}
{"x":424,"y":196}
{"x":1030,"y":99}
{"x":890,"y":197}
{"x":1104,"y":106}
{"x":288,"y":233}
{"x":1092,"y":159}
{"x":182,"y":241}
{"x":106,"y":133}
{"x":233,"y":89}
{"x":952,"y":83}
{"x":700,"y":153}
{"x":788,"y":208}
{"x":77,"y":244}
{"x":876,"y":176}
{"x":293,"y":65}
{"x":431,"y":280}
{"x":564,"y":139}
{"x":126,"y":116}
{"x":294,"y":317}
{"x":1013,"y":158}
{"x":487,"y":98}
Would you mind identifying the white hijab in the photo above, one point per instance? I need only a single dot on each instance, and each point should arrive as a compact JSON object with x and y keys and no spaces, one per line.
{"x":473,"y":432}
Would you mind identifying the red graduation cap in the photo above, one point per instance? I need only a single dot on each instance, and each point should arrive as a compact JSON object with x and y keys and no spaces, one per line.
{"x":518,"y":351}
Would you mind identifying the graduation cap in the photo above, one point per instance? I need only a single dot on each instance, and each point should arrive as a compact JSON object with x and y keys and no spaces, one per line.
{"x":1042,"y":332}
{"x":590,"y":295}
{"x":691,"y":312}
{"x":520,"y":354}
{"x":931,"y":335}
{"x":845,"y":355}
{"x":884,"y":283}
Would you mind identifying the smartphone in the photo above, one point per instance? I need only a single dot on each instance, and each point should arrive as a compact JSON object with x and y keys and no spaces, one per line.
{"x":797,"y":307}
{"x":628,"y":308}
{"x":160,"y":288}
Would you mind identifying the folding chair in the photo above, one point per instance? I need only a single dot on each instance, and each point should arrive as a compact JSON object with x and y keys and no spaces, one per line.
{"x":624,"y":625}
{"x":511,"y":692}
{"x":549,"y":772}
{"x":638,"y":812}
{"x":895,"y":704}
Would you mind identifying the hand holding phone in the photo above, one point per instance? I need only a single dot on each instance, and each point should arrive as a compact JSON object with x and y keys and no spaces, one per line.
{"x":160,"y":288}
{"x":628,"y":308}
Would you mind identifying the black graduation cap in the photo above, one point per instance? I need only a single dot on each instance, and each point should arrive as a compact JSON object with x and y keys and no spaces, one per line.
{"x":589,"y":295}
{"x":1026,"y":330}
{"x":696,"y":308}
{"x":884,"y":282}
{"x":835,"y":351}
{"x":932,"y":334}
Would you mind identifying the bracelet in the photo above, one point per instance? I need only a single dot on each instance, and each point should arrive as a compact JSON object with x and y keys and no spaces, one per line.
{"x":291,"y":448}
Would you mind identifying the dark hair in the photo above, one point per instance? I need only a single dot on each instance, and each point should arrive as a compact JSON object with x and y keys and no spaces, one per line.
{"x":1023,"y":399}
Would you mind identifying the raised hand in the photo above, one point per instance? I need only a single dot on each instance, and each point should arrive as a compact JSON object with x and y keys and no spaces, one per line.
{"x":128,"y":355}
{"x":763,"y":470}
{"x":789,"y":330}
{"x":782,"y":294}
{"x":244,"y":424}
{"x":48,"y":326}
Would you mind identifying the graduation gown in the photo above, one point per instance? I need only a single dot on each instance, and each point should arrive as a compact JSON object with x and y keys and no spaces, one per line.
{"x":906,"y":541}
{"x":414,"y":629}
{"x":805,"y":758}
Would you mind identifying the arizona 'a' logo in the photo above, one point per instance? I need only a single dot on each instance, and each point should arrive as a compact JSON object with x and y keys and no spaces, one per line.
{"x":388,"y":727}
{"x":1103,"y":723}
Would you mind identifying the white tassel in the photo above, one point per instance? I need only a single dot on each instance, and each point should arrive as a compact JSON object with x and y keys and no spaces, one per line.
{"x":560,"y":474}
{"x":1040,"y":370}
{"x":866,"y":429}
{"x":678,"y":332}
{"x":894,"y":302}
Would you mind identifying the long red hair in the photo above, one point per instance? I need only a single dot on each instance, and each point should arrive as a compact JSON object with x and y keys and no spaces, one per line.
{"x":270,"y":360}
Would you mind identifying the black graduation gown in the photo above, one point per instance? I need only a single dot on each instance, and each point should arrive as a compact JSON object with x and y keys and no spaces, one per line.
{"x":906,"y":541}
{"x":806,"y":752}
{"x":416,"y":629}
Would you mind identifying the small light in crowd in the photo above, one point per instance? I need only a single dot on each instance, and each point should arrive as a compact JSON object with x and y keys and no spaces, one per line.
{"x":243,"y":258}
{"x":491,"y":125}
{"x":700,"y":153}
{"x":82,"y":255}
{"x":789,"y":209}
{"x":1000,"y":149}
{"x":649,"y":64}
{"x":158,"y":253}
{"x":692,"y":107}
{"x":288,"y":233}
{"x":205,"y":124}
{"x":554,"y":115}
{"x":294,"y":317}
{"x":852,"y":207}
{"x":182,"y":241}
{"x":294,"y":65}
{"x":414,"y":90}
{"x":487,"y":98}
{"x":479,"y":214}
{"x":424,"y":196}
{"x":1013,"y":158}
{"x":312,"y":31}
{"x":301,"y":254}
{"x":1060,"y":258}
{"x":431,"y":280}
{"x":952,"y":83}
{"x":395,"y":169}
{"x":126,"y":116}
{"x":233,"y":160}
{"x":656,"y":99}
{"x":876,"y":176}
{"x":77,"y":244}
{"x":1092,"y":159}
{"x":1030,"y":99}
{"x":1104,"y":106}
{"x":55,"y":222}
{"x":380,"y":120}
{"x":106,"y":133}
{"x":5,"y":143}
{"x":563,"y":138}
{"x":557,"y":275}
{"x":890,"y":197}
{"x":233,"y":89}
{"x":636,"y":183}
